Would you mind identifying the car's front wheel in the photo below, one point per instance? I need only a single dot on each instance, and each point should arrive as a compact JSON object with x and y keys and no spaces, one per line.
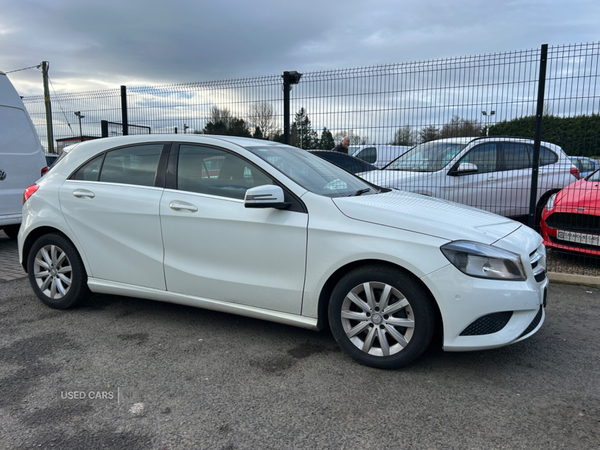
{"x":56,"y":272}
{"x":381,"y":317}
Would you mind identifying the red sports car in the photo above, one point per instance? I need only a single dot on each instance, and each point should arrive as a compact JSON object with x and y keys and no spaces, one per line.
{"x":571,"y":218}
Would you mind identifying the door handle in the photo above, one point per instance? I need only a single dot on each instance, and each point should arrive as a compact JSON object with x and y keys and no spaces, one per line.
{"x":178,"y":206}
{"x":83,"y":193}
{"x":492,"y":179}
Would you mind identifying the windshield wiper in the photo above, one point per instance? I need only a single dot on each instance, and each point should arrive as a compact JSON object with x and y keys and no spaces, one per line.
{"x":361,"y":192}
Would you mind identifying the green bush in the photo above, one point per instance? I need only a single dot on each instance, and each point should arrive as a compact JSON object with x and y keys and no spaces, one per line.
{"x":577,"y":136}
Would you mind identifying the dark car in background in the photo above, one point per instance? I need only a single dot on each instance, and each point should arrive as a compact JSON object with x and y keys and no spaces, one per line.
{"x":347,"y":162}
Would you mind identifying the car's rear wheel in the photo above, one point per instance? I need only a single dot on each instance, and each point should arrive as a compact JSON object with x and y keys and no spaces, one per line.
{"x":56,"y":272}
{"x":381,"y":317}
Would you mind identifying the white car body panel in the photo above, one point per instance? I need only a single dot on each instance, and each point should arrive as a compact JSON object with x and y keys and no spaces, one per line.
{"x":244,"y":250}
{"x":135,"y":237}
{"x":273,"y":264}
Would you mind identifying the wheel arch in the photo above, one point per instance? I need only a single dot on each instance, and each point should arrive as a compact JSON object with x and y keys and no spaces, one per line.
{"x":335,"y":277}
{"x":34,"y":235}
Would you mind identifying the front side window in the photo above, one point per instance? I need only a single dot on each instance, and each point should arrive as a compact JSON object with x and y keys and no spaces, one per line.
{"x":212,"y":171}
{"x":484,"y":156}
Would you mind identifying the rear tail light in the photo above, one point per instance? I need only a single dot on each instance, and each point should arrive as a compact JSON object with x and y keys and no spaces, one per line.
{"x":29,"y":191}
{"x":44,"y":170}
{"x":575,"y":172}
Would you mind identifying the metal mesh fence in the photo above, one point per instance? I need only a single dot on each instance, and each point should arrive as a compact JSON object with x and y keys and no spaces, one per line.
{"x":462,"y":128}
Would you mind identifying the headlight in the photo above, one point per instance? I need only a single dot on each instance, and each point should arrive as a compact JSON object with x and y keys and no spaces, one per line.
{"x":484,"y":261}
{"x":550,"y":204}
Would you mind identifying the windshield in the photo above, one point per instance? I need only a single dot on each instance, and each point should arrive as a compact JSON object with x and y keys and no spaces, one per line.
{"x":313,"y":173}
{"x":427,"y":157}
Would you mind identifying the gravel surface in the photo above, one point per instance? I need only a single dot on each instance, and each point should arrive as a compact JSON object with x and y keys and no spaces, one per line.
{"x":572,"y":263}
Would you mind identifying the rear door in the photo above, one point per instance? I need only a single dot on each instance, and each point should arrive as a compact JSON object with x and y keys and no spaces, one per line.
{"x":112,"y":206}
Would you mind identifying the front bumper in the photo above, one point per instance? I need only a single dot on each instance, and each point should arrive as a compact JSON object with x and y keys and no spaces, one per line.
{"x":480,"y":314}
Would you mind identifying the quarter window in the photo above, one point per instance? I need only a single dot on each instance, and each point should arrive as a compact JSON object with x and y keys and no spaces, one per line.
{"x":90,"y":171}
{"x":212,"y":171}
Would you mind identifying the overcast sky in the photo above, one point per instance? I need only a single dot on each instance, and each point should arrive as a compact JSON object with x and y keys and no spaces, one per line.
{"x":93,"y":45}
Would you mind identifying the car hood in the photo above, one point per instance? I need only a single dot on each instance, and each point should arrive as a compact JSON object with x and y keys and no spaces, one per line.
{"x":427,"y":215}
{"x":581,"y":194}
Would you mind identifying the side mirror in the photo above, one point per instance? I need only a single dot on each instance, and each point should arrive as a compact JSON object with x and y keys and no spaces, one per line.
{"x":267,"y":196}
{"x":467,"y":167}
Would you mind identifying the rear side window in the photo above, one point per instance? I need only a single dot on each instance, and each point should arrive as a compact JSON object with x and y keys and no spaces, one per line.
{"x":368,"y":154}
{"x":516,"y":156}
{"x":129,"y":165}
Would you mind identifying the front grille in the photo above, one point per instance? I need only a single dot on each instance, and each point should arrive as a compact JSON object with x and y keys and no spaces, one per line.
{"x":579,"y":223}
{"x":534,"y":323}
{"x":489,"y":324}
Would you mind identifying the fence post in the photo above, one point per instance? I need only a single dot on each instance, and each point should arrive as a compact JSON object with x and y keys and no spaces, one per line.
{"x":104,"y":128}
{"x":538,"y":137}
{"x":289,"y":78}
{"x":124,"y":119}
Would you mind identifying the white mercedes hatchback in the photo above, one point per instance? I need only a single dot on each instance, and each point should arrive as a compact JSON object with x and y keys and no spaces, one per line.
{"x":269,"y":231}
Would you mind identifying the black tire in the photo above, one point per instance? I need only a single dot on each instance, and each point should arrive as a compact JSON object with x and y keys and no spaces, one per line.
{"x":362,"y":329}
{"x":12,"y":231}
{"x":56,"y":272}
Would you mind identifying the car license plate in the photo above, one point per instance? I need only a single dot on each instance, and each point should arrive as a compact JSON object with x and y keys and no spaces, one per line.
{"x":580,"y":238}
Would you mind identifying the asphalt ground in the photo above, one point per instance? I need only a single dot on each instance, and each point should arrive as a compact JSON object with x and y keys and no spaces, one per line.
{"x":129,"y":373}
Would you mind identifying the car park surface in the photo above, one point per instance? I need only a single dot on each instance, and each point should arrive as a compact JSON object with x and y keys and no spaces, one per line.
{"x":490,"y":173}
{"x":183,"y":377}
{"x":273,"y":232}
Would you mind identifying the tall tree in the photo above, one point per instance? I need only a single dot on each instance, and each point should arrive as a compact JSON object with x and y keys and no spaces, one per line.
{"x":223,"y":123}
{"x":429,"y":133}
{"x":459,"y":127}
{"x":261,"y":115}
{"x":404,"y":136}
{"x":326,"y":142}
{"x":301,"y":133}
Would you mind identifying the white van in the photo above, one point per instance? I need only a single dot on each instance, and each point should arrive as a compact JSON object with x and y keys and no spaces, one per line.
{"x":378,"y":155}
{"x":22,"y":160}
